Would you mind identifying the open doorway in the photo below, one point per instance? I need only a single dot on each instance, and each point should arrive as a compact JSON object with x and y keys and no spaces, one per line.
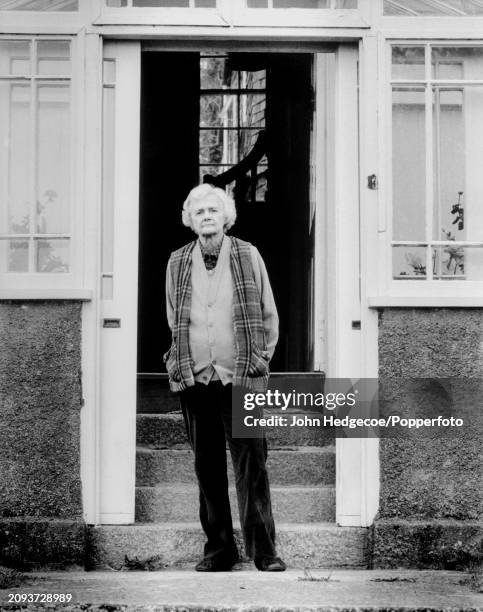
{"x":335,"y":267}
{"x":244,"y":121}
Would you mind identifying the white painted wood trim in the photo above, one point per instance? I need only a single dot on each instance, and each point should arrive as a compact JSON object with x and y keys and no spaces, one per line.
{"x":161,"y":16}
{"x":370,"y":153}
{"x":47,"y":294}
{"x":324,"y":18}
{"x":424,"y":28}
{"x":118,"y":345}
{"x":251,"y":46}
{"x":425,"y":302}
{"x":90,"y":440}
{"x":115,"y":518}
{"x":321,"y":147}
{"x":261,"y":33}
{"x":232,"y":16}
{"x":344,"y":342}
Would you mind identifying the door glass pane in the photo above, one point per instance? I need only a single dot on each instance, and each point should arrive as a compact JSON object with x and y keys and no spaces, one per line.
{"x":53,"y":165}
{"x":218,"y":146}
{"x":52,"y":255}
{"x":218,"y":111}
{"x":53,"y":57}
{"x":256,"y":79}
{"x":248,"y":138}
{"x":216,"y":74}
{"x":408,"y":163}
{"x":39,"y":5}
{"x":261,"y":183}
{"x":407,"y":62}
{"x":410,"y":8}
{"x":14,"y":57}
{"x":15,"y":158}
{"x":239,"y":112}
{"x":252,"y":110}
{"x":212,"y":170}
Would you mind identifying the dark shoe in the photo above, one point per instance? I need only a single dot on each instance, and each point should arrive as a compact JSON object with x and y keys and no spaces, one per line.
{"x":215,"y":564}
{"x":270,"y":564}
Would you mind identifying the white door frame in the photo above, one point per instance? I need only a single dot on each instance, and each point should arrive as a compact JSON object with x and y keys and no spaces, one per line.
{"x":118,"y":333}
{"x":115,"y":427}
{"x":352,"y":328}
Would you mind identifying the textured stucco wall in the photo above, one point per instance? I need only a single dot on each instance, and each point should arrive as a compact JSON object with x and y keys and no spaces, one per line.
{"x":40,"y":401}
{"x":431,"y":479}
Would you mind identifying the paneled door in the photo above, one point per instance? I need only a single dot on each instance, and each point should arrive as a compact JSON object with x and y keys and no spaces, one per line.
{"x":119,"y":281}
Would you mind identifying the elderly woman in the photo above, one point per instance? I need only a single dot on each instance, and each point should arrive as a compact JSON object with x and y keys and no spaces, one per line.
{"x":224,"y":325}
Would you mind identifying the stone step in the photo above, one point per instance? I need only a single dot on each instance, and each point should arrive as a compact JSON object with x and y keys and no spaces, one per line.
{"x":167,"y":431}
{"x":300,"y":465}
{"x":154,"y":396}
{"x":318,"y":545}
{"x":180,"y":503}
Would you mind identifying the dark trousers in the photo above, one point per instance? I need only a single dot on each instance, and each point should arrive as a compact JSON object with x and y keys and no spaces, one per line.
{"x":207,"y":414}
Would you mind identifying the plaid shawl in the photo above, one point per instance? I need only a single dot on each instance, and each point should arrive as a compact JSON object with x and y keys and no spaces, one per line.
{"x":251,"y":363}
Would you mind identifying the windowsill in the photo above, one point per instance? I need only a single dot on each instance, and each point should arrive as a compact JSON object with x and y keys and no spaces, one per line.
{"x":425,"y":302}
{"x":84,"y":295}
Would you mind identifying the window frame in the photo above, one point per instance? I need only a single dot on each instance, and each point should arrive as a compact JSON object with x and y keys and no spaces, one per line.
{"x":401,"y":291}
{"x":163,"y":16}
{"x":293,"y":17}
{"x":50,"y":22}
{"x":72,"y":281}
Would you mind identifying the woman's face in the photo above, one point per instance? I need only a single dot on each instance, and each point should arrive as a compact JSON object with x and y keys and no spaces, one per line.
{"x":208,"y":216}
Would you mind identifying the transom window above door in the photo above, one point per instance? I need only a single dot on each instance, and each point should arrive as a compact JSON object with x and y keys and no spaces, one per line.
{"x":429,"y":8}
{"x":251,"y":13}
{"x":162,"y":3}
{"x":255,"y":4}
{"x":39,"y":5}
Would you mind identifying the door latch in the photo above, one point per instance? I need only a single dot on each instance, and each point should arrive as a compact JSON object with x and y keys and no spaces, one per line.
{"x":372,"y":181}
{"x":111,"y":323}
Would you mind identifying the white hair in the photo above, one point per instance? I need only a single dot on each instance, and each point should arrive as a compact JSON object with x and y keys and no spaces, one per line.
{"x":202,"y":191}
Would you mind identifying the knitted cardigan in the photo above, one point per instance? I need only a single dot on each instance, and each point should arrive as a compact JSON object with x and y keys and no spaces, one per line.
{"x":251,"y":363}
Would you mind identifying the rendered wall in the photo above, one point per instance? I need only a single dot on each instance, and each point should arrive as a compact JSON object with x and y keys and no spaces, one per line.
{"x":40,"y":401}
{"x":431,"y":488}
